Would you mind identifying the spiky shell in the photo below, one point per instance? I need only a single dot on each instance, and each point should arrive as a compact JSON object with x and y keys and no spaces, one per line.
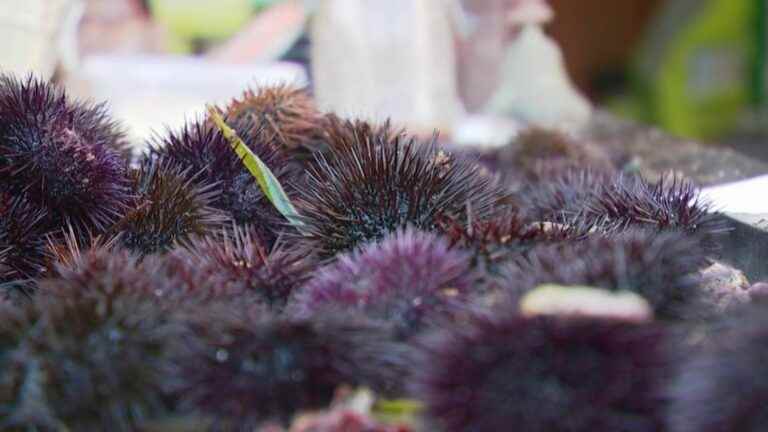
{"x":544,"y":374}
{"x":234,"y":264}
{"x":84,"y":363}
{"x":410,"y":279}
{"x":619,"y":202}
{"x":661,"y":267}
{"x":542,"y":153}
{"x":376,"y":181}
{"x":64,"y":156}
{"x":170,"y":209}
{"x":200,"y":150}
{"x":270,"y":368}
{"x":22,"y":245}
{"x":287,"y":113}
{"x":505,"y":237}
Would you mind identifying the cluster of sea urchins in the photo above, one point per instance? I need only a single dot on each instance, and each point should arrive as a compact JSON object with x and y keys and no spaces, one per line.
{"x":168,"y":292}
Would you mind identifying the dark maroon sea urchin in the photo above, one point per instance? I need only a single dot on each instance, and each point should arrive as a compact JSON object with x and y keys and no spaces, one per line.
{"x":84,"y":362}
{"x":409,"y":279}
{"x":619,"y":202}
{"x":64,"y":156}
{"x":105,"y":273}
{"x":170,"y":209}
{"x":97,"y":272}
{"x":504,"y":237}
{"x":22,"y":245}
{"x":721,"y":387}
{"x":661,"y":267}
{"x":236,"y":265}
{"x":285,"y":113}
{"x":540,"y":153}
{"x":269,"y":368}
{"x":376,"y":181}
{"x":201,"y":150}
{"x":544,"y":374}
{"x":562,"y":198}
{"x":671,"y":203}
{"x":179,"y":280}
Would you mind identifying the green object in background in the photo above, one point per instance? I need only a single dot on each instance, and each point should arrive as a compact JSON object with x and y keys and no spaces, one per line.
{"x":759,"y":71}
{"x":189,"y":21}
{"x":696,"y":72}
{"x":261,"y":4}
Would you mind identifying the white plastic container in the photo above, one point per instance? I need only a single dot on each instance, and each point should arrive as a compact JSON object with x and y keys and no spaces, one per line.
{"x":31,"y":34}
{"x":150,"y":93}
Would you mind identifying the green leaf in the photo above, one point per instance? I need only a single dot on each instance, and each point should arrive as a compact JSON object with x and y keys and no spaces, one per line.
{"x":267,"y":181}
{"x":404,"y":411}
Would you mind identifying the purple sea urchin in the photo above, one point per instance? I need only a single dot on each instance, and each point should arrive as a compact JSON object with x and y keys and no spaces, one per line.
{"x":177,"y":280}
{"x":538,"y":155}
{"x":661,"y":267}
{"x":174,"y":281}
{"x":104,"y":272}
{"x":271,"y":368}
{"x":544,"y":374}
{"x":670,"y":204}
{"x":84,"y":363}
{"x":22,"y":243}
{"x":505,"y":237}
{"x":202,"y":150}
{"x":561,"y":198}
{"x":542,"y":153}
{"x":408,"y":279}
{"x":619,"y":202}
{"x":171,"y":209}
{"x":720,"y":387}
{"x":98,"y":272}
{"x":284,"y":112}
{"x":63,"y":156}
{"x":236,"y":265}
{"x":376,"y":181}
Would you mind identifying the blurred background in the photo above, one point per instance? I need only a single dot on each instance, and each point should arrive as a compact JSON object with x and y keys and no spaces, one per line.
{"x":478,"y":70}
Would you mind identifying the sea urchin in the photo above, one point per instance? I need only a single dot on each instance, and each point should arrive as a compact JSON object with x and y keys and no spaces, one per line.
{"x":234,"y":264}
{"x":170,"y":209}
{"x":84,"y":363}
{"x":544,"y":374}
{"x":282,"y":112}
{"x":64,"y":156}
{"x":661,"y":267}
{"x":202,"y":151}
{"x":376,"y":181}
{"x":408,"y":279}
{"x":22,"y":243}
{"x":270,"y":368}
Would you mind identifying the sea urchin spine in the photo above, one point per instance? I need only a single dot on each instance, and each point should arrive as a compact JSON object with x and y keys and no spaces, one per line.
{"x":409,"y":279}
{"x":544,"y":374}
{"x":62,"y":155}
{"x":170,"y":209}
{"x":200,"y":150}
{"x":376,"y":181}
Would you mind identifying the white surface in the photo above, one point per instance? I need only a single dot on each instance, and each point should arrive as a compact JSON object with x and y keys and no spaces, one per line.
{"x":150,"y":93}
{"x":485,"y":131}
{"x":30,"y":33}
{"x":742,"y":197}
